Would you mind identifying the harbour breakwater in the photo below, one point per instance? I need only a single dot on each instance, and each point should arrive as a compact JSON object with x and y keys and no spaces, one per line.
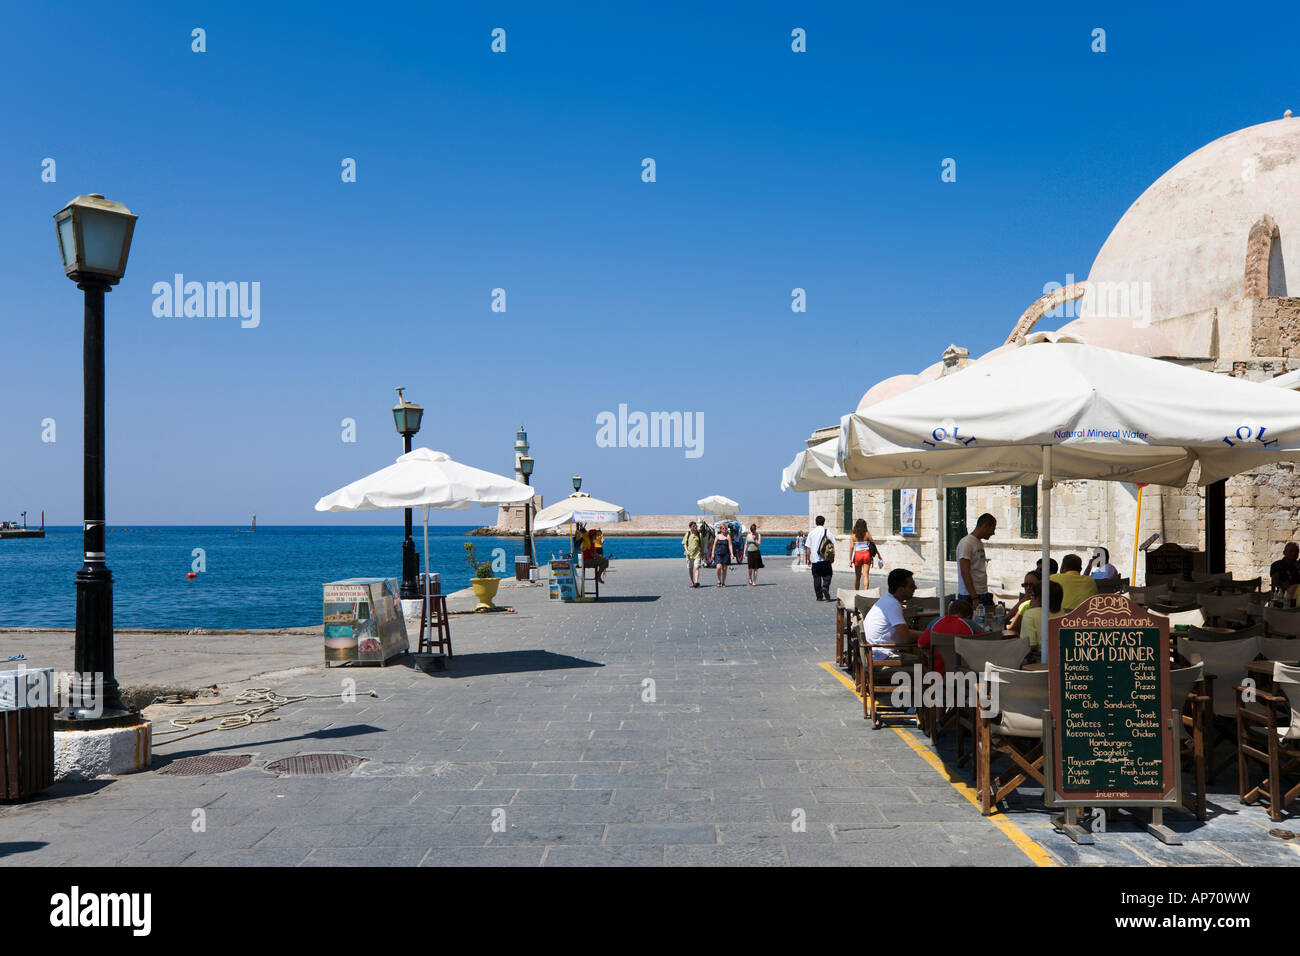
{"x":664,"y":526}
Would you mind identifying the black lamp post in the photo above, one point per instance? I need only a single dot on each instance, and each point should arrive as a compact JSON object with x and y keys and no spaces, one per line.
{"x":94,"y":240}
{"x":577,"y":483}
{"x":526,"y":469}
{"x":406,"y":416}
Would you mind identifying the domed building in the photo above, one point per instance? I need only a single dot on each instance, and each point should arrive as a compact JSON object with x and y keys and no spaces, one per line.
{"x":1194,"y":273}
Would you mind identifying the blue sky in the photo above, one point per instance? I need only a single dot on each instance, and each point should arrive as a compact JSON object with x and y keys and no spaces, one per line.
{"x":522,"y":171}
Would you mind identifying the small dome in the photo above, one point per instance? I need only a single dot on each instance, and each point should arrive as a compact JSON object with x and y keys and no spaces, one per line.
{"x":888,"y":389}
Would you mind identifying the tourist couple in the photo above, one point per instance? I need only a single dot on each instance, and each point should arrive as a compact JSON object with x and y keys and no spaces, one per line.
{"x":721,"y":552}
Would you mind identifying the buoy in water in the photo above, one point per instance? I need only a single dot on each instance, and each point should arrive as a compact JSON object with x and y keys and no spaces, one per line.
{"x":191,"y":574}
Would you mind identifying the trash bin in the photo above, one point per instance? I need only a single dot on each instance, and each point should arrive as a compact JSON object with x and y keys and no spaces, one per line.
{"x":522,"y":565}
{"x":26,"y":732}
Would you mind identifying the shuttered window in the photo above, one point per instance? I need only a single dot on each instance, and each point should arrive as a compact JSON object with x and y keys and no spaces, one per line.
{"x":1029,"y":511}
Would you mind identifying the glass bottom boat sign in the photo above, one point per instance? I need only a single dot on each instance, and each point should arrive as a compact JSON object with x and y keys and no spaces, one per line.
{"x":363,"y":621}
{"x":1114,"y":727}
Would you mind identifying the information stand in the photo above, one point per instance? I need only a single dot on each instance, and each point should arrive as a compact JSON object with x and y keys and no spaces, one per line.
{"x":363,"y":622}
{"x":1169,"y":558}
{"x":1111,"y":736}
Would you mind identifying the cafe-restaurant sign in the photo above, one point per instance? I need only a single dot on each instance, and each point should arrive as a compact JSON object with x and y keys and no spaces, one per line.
{"x":1113,"y":739}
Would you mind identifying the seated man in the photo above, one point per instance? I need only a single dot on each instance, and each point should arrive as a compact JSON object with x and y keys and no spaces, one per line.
{"x":1033,"y":581}
{"x":1099,"y":567}
{"x":1285,"y":572}
{"x":884,"y":623}
{"x":956,"y":621}
{"x":1077,"y":587}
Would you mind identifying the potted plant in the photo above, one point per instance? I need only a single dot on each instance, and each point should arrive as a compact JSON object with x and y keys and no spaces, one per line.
{"x":484,"y":582}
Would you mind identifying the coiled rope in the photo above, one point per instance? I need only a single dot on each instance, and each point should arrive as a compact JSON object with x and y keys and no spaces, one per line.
{"x":265,"y":702}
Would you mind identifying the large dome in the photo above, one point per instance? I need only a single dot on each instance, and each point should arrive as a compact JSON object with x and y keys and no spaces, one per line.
{"x":1187,"y":234}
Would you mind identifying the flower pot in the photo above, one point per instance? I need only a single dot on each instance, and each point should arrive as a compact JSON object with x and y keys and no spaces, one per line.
{"x":485,"y":589}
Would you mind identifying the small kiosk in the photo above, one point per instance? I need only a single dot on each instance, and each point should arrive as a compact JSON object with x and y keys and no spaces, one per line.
{"x":363,"y":622}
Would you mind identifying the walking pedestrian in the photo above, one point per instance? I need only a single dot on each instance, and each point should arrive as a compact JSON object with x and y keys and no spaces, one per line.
{"x":820,"y":549}
{"x":724,"y":553}
{"x":863,"y":550}
{"x":753,"y":552}
{"x":691,"y":548}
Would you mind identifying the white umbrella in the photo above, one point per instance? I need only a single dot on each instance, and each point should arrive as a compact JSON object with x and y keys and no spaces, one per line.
{"x":426,"y":479}
{"x":578,"y":506}
{"x":718,"y":505}
{"x":1069,"y":410}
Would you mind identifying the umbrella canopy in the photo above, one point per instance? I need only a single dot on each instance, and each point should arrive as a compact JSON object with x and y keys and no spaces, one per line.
{"x":1103,"y":414}
{"x":426,"y":479}
{"x":818,"y":469}
{"x":579,"y":506}
{"x":718,"y":505}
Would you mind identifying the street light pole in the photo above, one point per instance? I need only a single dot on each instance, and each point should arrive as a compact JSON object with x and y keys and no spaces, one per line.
{"x":526,"y":469}
{"x":406,"y":416}
{"x":94,"y":241}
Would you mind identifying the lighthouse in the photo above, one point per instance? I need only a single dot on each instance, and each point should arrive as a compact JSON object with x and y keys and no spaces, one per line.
{"x":521,"y":451}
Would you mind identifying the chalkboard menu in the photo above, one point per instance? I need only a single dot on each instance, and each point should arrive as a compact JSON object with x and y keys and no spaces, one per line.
{"x":1169,"y":558}
{"x":1110,"y":699}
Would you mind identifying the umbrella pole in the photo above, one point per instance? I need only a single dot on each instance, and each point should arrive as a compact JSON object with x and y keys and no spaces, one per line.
{"x":1137,"y":530}
{"x":1046,"y":583}
{"x":426,"y":570}
{"x":943,"y":541}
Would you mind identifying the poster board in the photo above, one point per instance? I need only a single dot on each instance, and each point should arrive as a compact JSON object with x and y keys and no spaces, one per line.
{"x":564,"y":583}
{"x":363,"y":621}
{"x":1113,"y":740}
{"x":907,"y":511}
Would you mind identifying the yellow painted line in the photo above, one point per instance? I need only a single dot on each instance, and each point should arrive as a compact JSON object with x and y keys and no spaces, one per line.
{"x":1022,"y":840}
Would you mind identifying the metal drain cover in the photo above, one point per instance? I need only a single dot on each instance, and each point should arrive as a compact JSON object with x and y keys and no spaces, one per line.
{"x":206,"y":763}
{"x":307,"y":764}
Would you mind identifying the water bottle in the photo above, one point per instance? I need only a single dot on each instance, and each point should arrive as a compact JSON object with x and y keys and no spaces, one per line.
{"x":1001,"y":619}
{"x":979,"y":614}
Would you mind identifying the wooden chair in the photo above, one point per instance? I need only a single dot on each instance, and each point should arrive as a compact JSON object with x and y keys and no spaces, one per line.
{"x":921,"y":605}
{"x":1279,"y":623}
{"x":1190,"y":690}
{"x":1250,"y":585}
{"x":974,"y":655}
{"x":1224,"y":611}
{"x":853,"y":636}
{"x":591,"y":574}
{"x":1226,"y":662}
{"x":1014,"y":731}
{"x":941,"y":717}
{"x":1285,"y":649}
{"x":439,"y":633}
{"x":1112,"y":585}
{"x":1163,"y":581}
{"x":1268,"y":732}
{"x":878,"y":693}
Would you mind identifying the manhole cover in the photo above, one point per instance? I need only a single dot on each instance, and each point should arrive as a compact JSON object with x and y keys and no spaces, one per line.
{"x":208,"y":763}
{"x":313,"y":764}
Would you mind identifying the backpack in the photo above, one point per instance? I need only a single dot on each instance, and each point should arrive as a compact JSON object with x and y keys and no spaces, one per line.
{"x":826,"y":550}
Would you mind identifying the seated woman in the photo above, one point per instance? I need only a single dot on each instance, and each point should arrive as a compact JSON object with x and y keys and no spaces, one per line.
{"x":593,"y":554}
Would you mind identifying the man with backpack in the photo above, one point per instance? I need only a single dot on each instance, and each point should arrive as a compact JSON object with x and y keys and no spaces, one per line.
{"x":820,"y":547}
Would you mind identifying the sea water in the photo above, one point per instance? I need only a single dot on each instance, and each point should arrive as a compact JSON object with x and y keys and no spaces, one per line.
{"x":264,"y":579}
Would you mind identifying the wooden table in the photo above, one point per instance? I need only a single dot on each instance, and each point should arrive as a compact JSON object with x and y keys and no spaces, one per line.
{"x":1262,"y":671}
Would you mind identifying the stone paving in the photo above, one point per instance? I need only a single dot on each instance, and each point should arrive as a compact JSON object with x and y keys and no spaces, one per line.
{"x":545,"y":743}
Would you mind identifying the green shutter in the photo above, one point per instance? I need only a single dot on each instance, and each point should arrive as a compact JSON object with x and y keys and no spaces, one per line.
{"x":848,"y":510}
{"x":1029,"y":511}
{"x":955,"y":509}
{"x":898,"y":511}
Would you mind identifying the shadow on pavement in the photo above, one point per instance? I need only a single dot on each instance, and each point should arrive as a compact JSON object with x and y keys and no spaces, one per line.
{"x":627,"y":599}
{"x":29,"y":846}
{"x":333,"y":733}
{"x":509,"y":662}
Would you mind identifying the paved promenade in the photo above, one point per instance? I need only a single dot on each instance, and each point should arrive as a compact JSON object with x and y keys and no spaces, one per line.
{"x":661,"y":725}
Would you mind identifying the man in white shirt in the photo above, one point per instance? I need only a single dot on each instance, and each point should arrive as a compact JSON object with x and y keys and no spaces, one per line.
{"x":973,"y":565}
{"x":884,"y":623}
{"x":821,"y":570}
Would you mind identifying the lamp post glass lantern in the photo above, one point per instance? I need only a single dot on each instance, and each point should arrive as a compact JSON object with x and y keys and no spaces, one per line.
{"x":94,"y":237}
{"x":577,"y":482}
{"x":407,"y":416}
